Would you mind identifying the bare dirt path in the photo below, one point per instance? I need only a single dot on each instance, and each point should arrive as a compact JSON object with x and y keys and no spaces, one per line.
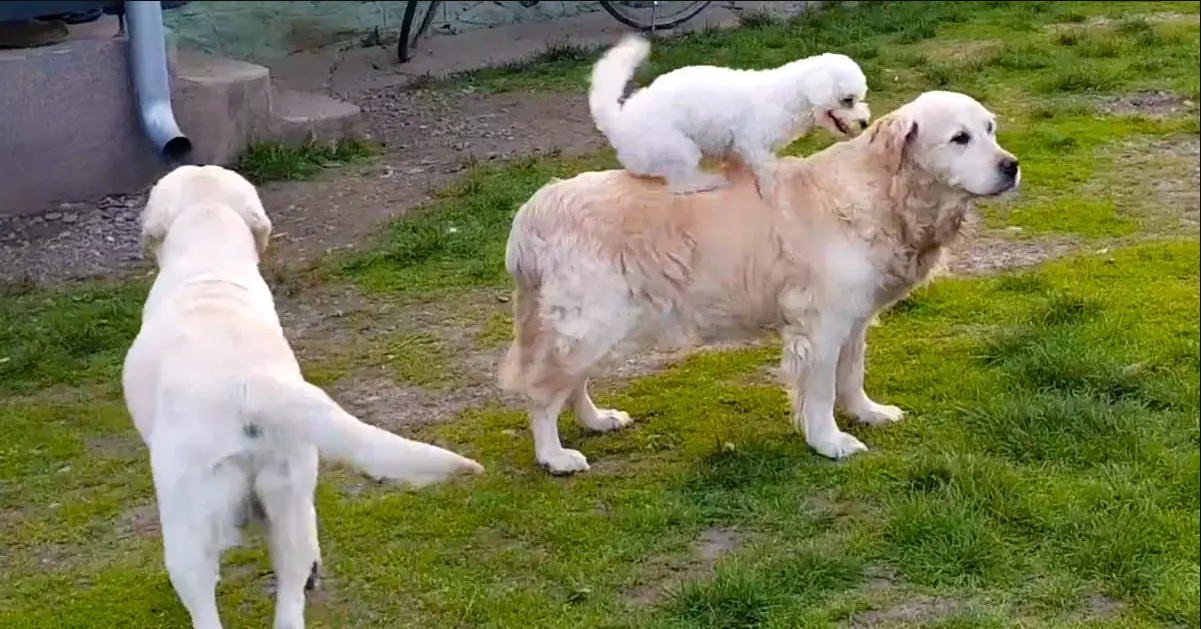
{"x":429,"y":137}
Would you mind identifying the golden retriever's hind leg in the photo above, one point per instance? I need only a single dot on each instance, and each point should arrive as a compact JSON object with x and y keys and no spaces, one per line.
{"x":589,"y":417}
{"x":809,"y":361}
{"x":850,"y":391}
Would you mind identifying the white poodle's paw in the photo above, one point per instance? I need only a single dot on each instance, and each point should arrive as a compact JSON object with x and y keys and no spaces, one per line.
{"x":563,"y":461}
{"x":607,"y":420}
{"x":700,"y":182}
{"x":877,"y":414}
{"x":838,"y":445}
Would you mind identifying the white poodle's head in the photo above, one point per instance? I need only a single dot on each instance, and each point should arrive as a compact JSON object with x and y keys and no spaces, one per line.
{"x":837,"y":88}
{"x":197,"y":187}
{"x":952,"y":138}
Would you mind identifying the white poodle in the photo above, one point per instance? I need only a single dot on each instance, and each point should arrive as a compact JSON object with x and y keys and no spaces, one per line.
{"x":664,"y":129}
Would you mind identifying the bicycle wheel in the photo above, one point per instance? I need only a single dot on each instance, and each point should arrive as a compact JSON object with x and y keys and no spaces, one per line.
{"x":653,"y":16}
{"x":409,"y":35}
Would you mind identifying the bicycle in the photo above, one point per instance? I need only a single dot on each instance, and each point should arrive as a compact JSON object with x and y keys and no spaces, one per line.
{"x":623,"y":12}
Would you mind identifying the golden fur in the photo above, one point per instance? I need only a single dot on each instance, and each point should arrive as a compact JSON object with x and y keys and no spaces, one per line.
{"x":606,"y":262}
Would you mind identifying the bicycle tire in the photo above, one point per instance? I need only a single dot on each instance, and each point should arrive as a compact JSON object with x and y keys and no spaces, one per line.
{"x":613,"y":9}
{"x":409,"y":37}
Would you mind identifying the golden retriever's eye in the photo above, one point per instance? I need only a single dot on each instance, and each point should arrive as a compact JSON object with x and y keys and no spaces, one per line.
{"x":991,"y":127}
{"x":848,"y":102}
{"x":961,"y":138}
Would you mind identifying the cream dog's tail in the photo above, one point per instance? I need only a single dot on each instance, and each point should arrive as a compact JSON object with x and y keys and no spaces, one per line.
{"x":301,"y":411}
{"x":609,"y":77}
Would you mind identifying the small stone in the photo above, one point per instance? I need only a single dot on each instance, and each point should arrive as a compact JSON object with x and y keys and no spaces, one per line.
{"x":70,"y":217}
{"x":53,"y":216}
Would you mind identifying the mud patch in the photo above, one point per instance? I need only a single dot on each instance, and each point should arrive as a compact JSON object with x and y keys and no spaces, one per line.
{"x":917,"y":610}
{"x":988,"y":254}
{"x":1157,"y":104}
{"x":141,"y":522}
{"x":379,"y":400}
{"x":662,"y":574}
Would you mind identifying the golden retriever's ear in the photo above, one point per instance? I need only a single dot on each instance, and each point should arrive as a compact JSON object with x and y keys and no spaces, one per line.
{"x":891,"y":137}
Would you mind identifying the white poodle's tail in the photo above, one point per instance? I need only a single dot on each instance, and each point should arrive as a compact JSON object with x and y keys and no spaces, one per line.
{"x":609,"y":77}
{"x":305,"y":413}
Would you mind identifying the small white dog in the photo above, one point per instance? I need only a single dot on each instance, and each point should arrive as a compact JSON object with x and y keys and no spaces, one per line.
{"x":216,"y":393}
{"x":606,"y":262}
{"x":664,"y":129}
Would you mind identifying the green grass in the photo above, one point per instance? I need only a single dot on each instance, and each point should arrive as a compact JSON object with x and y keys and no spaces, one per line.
{"x":1047,"y":472}
{"x":1052,"y":438}
{"x":261,"y":163}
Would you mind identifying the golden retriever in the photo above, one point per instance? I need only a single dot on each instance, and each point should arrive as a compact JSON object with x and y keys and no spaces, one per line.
{"x":212,"y":385}
{"x":606,"y":263}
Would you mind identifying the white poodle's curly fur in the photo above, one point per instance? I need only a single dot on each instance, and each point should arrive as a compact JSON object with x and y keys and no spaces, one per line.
{"x":665,"y":129}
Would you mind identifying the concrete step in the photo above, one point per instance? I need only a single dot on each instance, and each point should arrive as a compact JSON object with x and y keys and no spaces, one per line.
{"x":300,"y":117}
{"x":220,"y":104}
{"x":224,"y":105}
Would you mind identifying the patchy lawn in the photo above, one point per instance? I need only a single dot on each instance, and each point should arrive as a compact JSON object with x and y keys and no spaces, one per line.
{"x":1047,"y":473}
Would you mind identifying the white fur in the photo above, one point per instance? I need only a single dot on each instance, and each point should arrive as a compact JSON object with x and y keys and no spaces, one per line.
{"x":212,"y":385}
{"x":666,"y":128}
{"x":605,"y":263}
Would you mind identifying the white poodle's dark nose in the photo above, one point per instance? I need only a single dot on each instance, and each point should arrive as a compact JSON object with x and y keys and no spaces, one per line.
{"x":862,"y":124}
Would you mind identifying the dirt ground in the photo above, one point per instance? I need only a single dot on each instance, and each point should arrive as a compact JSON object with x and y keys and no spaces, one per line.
{"x":429,"y":136}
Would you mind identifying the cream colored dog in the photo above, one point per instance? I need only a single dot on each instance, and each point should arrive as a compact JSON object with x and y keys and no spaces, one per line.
{"x":212,"y":385}
{"x":607,"y":262}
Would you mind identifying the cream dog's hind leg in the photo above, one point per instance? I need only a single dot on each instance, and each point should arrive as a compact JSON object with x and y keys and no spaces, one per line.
{"x":285,"y":490}
{"x":199,"y":512}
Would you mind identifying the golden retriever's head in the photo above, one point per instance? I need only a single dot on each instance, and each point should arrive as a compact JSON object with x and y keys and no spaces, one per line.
{"x":951,"y":138}
{"x":836,"y":87}
{"x":194,"y":187}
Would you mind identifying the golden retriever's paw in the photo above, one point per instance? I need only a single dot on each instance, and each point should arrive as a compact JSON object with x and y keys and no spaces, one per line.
{"x":839,"y":445}
{"x":563,"y":461}
{"x":607,"y":420}
{"x":878,"y":414}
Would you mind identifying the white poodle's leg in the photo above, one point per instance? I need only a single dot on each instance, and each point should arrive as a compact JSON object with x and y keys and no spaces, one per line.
{"x":850,"y":382}
{"x":548,"y":449}
{"x":810,"y":360}
{"x":285,"y":490}
{"x":759,"y":159}
{"x":588,"y":416}
{"x":674,"y":157}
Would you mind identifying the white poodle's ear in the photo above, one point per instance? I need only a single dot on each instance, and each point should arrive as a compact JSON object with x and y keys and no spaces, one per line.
{"x":891,"y":137}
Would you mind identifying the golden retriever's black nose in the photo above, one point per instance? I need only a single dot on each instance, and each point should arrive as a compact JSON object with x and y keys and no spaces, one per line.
{"x":1009,"y":167}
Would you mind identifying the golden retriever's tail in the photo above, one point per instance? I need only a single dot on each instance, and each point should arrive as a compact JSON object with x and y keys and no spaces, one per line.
{"x":511,"y":375}
{"x":301,"y":411}
{"x":609,"y":77}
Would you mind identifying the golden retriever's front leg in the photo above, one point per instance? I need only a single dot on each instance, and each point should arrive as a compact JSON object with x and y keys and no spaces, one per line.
{"x":548,"y":450}
{"x":810,"y":360}
{"x":851,"y":395}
